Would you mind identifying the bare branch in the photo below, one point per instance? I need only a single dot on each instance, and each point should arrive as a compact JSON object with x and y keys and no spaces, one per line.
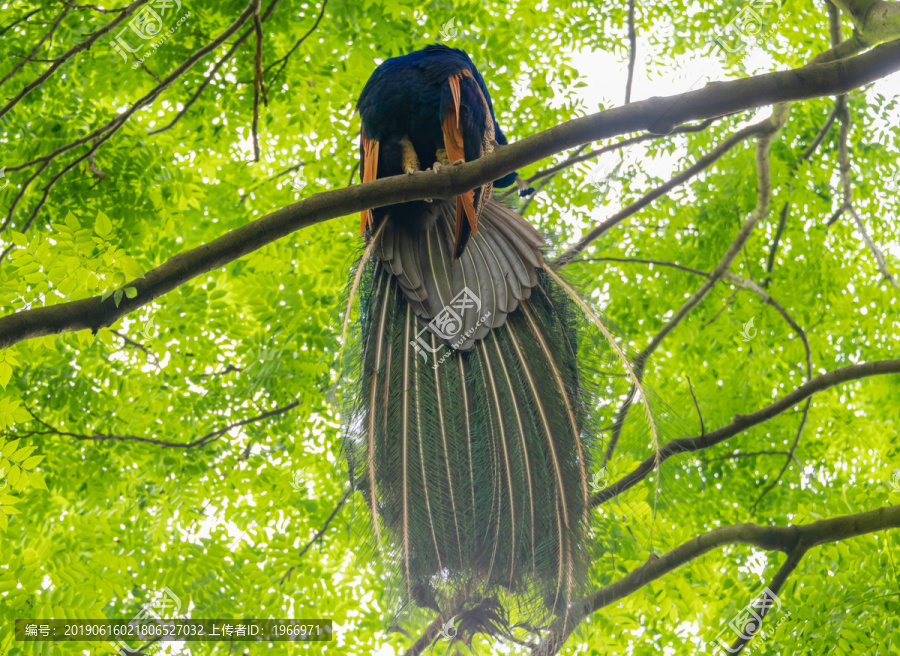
{"x":257,"y":80}
{"x":101,"y":135}
{"x":283,"y":60}
{"x":701,"y":165}
{"x":632,"y":51}
{"x":200,"y":441}
{"x":744,"y":422}
{"x":712,"y":100}
{"x":763,"y":192}
{"x":289,"y":169}
{"x":19,"y":20}
{"x":214,"y":71}
{"x":37,"y":47}
{"x":318,"y":534}
{"x":793,"y":540}
{"x":787,"y":568}
{"x":575,"y":158}
{"x":697,"y":406}
{"x":62,"y":59}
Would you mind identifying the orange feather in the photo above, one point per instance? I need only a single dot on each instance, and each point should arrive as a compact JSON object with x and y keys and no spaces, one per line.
{"x":370,"y":172}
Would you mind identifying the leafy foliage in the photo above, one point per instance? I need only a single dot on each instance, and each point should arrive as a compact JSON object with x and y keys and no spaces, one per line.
{"x":240,"y":363}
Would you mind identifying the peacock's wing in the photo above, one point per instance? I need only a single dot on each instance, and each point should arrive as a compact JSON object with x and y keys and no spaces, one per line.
{"x":496,"y":270}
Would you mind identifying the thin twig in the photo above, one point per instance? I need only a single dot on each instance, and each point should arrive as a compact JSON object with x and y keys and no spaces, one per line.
{"x":764,"y":191}
{"x":289,"y":169}
{"x":215,"y":69}
{"x":283,"y":60}
{"x":318,"y":534}
{"x":632,"y":51}
{"x":201,"y":441}
{"x":697,"y":405}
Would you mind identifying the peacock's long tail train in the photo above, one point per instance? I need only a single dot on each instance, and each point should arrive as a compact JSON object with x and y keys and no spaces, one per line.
{"x":468,"y":431}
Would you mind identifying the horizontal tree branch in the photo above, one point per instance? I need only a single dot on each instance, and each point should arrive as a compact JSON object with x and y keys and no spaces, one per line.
{"x":200,"y":441}
{"x":658,"y":115}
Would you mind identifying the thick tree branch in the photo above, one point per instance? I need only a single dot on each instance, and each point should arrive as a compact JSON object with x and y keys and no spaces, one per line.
{"x":655,"y":114}
{"x":792,"y":540}
{"x":743,"y":422}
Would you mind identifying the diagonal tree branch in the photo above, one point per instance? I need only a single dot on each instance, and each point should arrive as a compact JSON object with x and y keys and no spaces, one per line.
{"x":29,"y":57}
{"x":654,"y":113}
{"x":744,"y":422}
{"x":283,"y":60}
{"x":318,"y":534}
{"x":699,"y":166}
{"x":793,"y":540}
{"x":787,"y":568}
{"x":763,"y":192}
{"x":62,"y":59}
{"x":212,"y":74}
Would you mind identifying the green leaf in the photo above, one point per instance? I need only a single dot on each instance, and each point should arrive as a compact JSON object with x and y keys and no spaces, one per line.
{"x":117,"y":297}
{"x":31,"y":462}
{"x":102,"y":225}
{"x":130,"y":292}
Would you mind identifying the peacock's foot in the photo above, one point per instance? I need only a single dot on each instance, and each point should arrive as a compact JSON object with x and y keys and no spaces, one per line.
{"x":458,"y":162}
{"x":437,"y":167}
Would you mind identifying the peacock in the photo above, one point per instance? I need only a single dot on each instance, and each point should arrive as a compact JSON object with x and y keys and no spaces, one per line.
{"x":470,"y":430}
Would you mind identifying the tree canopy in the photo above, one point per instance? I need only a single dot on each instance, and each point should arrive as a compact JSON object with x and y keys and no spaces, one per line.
{"x":179,"y":206}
